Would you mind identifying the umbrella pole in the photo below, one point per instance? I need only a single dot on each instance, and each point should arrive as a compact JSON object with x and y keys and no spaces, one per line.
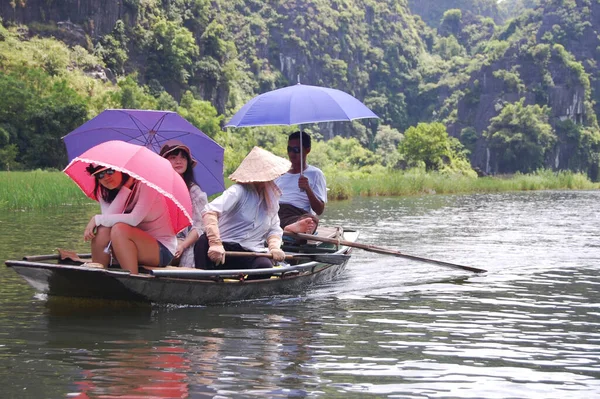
{"x":301,"y":153}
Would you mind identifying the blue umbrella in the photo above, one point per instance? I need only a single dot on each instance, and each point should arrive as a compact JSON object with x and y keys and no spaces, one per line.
{"x":300,"y":104}
{"x":152,"y":129}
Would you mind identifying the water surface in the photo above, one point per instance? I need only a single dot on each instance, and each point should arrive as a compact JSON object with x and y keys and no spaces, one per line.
{"x":388,"y":327}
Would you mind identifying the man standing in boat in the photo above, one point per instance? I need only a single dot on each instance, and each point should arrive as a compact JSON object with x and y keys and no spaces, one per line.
{"x":304,"y":190}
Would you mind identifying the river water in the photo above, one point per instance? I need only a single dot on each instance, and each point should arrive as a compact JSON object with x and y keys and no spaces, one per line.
{"x":389,"y":327}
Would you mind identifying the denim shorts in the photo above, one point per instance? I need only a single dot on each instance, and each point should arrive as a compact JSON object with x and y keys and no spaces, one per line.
{"x":165,"y":256}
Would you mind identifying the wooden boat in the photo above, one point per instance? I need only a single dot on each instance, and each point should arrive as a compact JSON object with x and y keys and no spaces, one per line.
{"x":177,"y":285}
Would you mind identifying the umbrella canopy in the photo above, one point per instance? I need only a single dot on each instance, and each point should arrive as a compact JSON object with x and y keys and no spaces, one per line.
{"x":142,"y":164}
{"x":152,"y":129}
{"x":300,"y":104}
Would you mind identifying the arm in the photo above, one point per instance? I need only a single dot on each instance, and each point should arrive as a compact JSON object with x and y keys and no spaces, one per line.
{"x":146,"y":198}
{"x":216,"y":252}
{"x":199,"y":201}
{"x":118,"y":203}
{"x":226,"y":202}
{"x":316,"y":203}
{"x":274,"y":239}
{"x":115,"y":207}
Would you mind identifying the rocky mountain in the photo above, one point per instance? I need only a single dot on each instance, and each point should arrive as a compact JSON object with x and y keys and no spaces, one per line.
{"x":549,"y":57}
{"x":464,"y":72}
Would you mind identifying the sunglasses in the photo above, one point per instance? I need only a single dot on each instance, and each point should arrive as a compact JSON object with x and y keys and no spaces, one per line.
{"x":295,"y":150}
{"x":100,"y":175}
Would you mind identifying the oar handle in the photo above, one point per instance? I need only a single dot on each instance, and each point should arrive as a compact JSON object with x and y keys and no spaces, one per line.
{"x":253,"y":254}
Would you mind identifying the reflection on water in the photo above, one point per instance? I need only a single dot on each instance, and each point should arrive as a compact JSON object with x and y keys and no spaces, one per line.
{"x":388,"y":327}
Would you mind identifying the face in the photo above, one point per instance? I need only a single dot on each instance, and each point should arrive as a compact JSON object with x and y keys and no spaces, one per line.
{"x":294,"y":151}
{"x":108,"y":180}
{"x":178,"y":161}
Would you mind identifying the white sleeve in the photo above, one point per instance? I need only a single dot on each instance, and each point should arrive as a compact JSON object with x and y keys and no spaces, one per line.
{"x":146,"y":198}
{"x":320,"y":186}
{"x":199,"y":201}
{"x":118,"y":204}
{"x":226,"y":201}
{"x":275,"y":228}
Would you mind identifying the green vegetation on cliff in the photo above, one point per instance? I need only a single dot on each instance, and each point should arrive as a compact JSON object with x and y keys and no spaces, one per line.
{"x":474,"y":74}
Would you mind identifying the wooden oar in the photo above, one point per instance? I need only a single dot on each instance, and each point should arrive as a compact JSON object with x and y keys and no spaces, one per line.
{"x":187,"y":272}
{"x":381,"y":250}
{"x":334,"y":259}
{"x":38,"y":258}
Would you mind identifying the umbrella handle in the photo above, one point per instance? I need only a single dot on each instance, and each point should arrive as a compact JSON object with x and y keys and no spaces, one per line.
{"x":301,"y":153}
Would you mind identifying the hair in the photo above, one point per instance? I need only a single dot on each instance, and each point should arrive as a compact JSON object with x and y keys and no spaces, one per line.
{"x":188,"y":175}
{"x":102,"y":192}
{"x":305,"y":138}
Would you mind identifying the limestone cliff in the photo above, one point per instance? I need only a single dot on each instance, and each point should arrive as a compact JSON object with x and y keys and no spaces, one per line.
{"x":97,"y":17}
{"x":542,"y":72}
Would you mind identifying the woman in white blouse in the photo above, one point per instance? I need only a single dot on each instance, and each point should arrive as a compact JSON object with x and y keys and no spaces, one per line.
{"x":182,"y":161}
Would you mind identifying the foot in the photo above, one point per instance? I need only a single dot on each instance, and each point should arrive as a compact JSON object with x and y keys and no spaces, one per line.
{"x":304,"y":226}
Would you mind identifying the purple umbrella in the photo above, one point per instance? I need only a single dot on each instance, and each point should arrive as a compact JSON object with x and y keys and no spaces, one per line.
{"x":152,"y":129}
{"x":300,"y":104}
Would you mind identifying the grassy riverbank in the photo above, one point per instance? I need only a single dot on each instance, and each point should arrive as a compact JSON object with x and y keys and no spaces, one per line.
{"x":417,"y":182}
{"x":40,"y":189}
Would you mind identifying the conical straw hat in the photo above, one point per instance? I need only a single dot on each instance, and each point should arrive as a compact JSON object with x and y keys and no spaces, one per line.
{"x":260,"y":166}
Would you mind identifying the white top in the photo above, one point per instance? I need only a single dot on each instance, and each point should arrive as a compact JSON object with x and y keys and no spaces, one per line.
{"x":199,"y":201}
{"x":244,"y":218}
{"x":288,"y":184}
{"x":149,"y":214}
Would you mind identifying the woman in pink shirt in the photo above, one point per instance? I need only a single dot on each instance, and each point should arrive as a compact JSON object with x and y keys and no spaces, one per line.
{"x":134,"y":221}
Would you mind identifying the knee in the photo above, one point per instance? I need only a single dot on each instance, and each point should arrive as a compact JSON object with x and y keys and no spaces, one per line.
{"x":119,"y":231}
{"x":102,"y":235}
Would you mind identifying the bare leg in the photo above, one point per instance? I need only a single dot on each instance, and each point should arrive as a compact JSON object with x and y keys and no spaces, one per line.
{"x":305,"y":226}
{"x":133,"y":246}
{"x":99,"y":243}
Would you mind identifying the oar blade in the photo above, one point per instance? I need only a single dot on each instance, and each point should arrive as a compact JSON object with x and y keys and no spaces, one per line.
{"x":382,"y":250}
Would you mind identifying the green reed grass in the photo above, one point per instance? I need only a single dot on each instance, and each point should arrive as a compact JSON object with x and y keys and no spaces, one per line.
{"x":418,"y":182}
{"x":38,"y":189}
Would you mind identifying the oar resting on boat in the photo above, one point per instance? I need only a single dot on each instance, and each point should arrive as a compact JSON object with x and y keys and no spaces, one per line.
{"x":185,"y":272}
{"x":334,"y":259}
{"x":381,"y":250}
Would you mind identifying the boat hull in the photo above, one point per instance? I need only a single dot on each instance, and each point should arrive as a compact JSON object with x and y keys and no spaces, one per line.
{"x":88,"y":282}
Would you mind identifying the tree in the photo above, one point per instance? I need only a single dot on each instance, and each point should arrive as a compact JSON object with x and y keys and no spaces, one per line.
{"x":8,"y":157}
{"x":172,"y":51}
{"x":200,"y":114}
{"x":429,"y":144}
{"x":520,"y":137}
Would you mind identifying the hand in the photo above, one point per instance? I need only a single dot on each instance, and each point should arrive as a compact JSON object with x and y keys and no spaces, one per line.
{"x":88,"y":233}
{"x":179,"y":250}
{"x":278,"y":254}
{"x":216,"y":253}
{"x":303,"y":183}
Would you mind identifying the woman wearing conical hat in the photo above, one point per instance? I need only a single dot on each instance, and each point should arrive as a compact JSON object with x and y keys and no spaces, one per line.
{"x":244,"y":216}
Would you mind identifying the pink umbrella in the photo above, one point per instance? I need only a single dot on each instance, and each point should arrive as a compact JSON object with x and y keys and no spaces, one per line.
{"x":142,"y":164}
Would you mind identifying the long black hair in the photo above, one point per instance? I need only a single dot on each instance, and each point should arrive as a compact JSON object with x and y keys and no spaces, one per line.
{"x":100,"y":191}
{"x":188,"y":176}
